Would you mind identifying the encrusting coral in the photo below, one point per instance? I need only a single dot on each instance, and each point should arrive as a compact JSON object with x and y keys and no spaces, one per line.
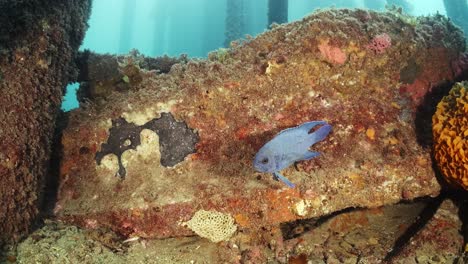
{"x":450,"y":131}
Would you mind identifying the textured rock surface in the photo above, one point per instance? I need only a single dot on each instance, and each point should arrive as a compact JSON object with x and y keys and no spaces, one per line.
{"x":353,"y":236}
{"x":59,"y":243}
{"x":320,"y":68}
{"x":439,"y":241}
{"x":366,"y":236}
{"x":38,"y":41}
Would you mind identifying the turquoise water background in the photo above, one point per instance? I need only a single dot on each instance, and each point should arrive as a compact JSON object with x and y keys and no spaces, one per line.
{"x":192,"y":27}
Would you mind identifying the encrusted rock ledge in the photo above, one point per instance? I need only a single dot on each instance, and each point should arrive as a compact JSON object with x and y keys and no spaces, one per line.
{"x":365,"y":73}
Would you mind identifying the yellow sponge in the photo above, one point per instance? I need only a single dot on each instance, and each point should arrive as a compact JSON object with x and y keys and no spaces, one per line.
{"x":450,"y":132}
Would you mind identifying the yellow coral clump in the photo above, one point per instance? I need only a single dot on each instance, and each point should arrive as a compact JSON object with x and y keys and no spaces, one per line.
{"x":450,"y":132}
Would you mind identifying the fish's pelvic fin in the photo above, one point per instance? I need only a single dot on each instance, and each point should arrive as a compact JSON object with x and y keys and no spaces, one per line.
{"x":278,"y":176}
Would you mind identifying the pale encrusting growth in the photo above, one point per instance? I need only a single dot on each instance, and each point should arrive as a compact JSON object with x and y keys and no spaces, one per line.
{"x":213,"y":225}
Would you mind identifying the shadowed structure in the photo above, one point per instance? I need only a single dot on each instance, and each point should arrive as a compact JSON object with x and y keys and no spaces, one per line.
{"x":457,"y":10}
{"x":277,"y":11}
{"x":38,"y":43}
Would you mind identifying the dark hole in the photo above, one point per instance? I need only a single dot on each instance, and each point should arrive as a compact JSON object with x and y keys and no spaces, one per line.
{"x":84,"y":150}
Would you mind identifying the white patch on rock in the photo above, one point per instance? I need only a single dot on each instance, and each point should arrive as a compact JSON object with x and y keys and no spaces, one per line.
{"x":300,"y":208}
{"x":147,"y":150}
{"x":143,"y":116}
{"x":108,"y":169}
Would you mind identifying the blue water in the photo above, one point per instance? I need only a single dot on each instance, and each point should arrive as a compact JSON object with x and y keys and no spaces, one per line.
{"x":193,"y":27}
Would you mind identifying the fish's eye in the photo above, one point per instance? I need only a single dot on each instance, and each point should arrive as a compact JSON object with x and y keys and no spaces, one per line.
{"x":265,"y":160}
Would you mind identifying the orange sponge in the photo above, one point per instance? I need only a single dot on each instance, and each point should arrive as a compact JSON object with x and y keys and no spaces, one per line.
{"x":450,"y":132}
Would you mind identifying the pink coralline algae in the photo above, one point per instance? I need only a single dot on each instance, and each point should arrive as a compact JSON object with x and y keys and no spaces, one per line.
{"x":332,"y":54}
{"x":380,"y":43}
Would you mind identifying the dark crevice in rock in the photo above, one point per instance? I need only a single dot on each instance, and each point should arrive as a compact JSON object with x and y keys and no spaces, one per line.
{"x":52,"y":181}
{"x":176,"y":140}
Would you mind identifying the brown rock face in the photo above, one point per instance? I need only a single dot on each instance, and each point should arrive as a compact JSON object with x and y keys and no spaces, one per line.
{"x":320,"y":68}
{"x":38,"y":41}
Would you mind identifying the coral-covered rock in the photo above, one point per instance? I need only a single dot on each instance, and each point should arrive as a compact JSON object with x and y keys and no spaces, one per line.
{"x":450,"y":130}
{"x":237,"y":101}
{"x":38,"y":44}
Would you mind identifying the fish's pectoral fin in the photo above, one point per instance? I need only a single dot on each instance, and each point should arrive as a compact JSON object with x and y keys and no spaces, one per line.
{"x":295,"y":166}
{"x":309,"y":155}
{"x":275,"y":177}
{"x":278,"y":176}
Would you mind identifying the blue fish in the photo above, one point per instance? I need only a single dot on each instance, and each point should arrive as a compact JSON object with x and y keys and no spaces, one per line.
{"x":289,"y":146}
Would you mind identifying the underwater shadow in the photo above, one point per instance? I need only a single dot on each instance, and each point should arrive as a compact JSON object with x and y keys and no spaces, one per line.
{"x":421,"y":221}
{"x":50,"y":193}
{"x":460,"y":198}
{"x":423,"y":123}
{"x":297,"y":228}
{"x":428,"y":106}
{"x":425,"y":111}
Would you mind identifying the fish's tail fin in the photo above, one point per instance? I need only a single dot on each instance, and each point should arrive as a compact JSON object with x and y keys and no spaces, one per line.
{"x":280,"y":177}
{"x":307,"y":126}
{"x":319,"y":134}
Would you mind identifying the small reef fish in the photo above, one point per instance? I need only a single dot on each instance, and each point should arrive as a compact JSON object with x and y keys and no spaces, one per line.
{"x":289,"y":146}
